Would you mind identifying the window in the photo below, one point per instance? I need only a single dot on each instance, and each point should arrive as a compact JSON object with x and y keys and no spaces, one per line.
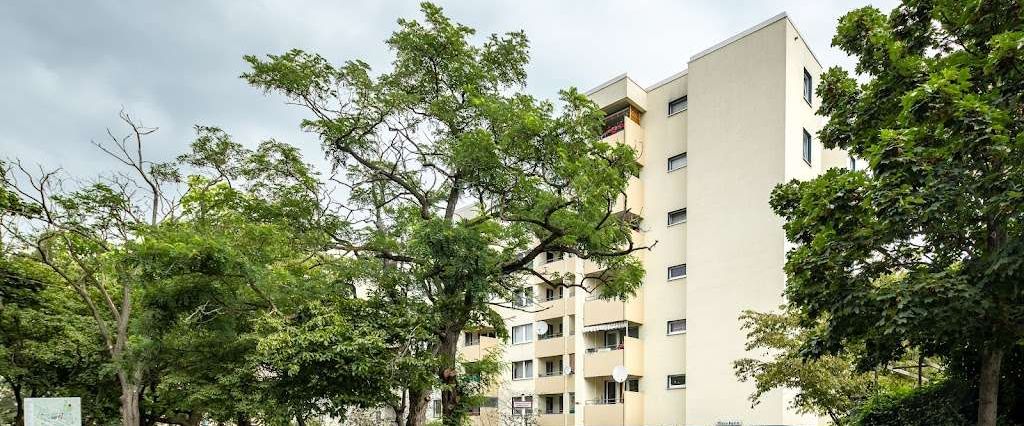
{"x":525,"y":404}
{"x":553,"y":293}
{"x":522,"y":334}
{"x":437,"y":408}
{"x":853,"y":164}
{"x":676,"y":217}
{"x":633,"y":385}
{"x":676,"y":381}
{"x":677,"y":326}
{"x":522,"y":370}
{"x":677,"y":272}
{"x":472,"y":339}
{"x":572,"y":402}
{"x":808,"y":87}
{"x":553,"y":404}
{"x":552,"y":256}
{"x":807,"y":147}
{"x":677,"y":162}
{"x":552,"y":367}
{"x":677,"y":105}
{"x":523,"y":297}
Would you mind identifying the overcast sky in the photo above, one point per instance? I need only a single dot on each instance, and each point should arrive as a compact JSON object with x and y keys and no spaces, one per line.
{"x":69,"y":66}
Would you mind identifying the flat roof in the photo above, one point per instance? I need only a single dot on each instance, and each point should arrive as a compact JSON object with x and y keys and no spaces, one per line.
{"x":710,"y":50}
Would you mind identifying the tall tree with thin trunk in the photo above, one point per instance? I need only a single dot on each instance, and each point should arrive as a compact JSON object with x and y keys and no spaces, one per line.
{"x":925,"y":248}
{"x":76,"y":233}
{"x":460,"y":180}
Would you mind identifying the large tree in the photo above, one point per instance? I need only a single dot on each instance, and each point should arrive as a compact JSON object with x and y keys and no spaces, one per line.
{"x":937,"y":117}
{"x":448,"y":126}
{"x":199,"y":286}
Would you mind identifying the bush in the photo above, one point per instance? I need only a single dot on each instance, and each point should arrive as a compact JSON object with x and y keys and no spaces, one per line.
{"x":939,"y":404}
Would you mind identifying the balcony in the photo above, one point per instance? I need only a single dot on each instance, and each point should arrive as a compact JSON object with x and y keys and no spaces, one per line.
{"x":626,"y":411}
{"x":554,"y":383}
{"x":478,"y":351}
{"x":622,"y":127}
{"x":602,"y":311}
{"x":552,"y":308}
{"x":554,"y":345}
{"x":600,"y":361}
{"x":555,"y":419}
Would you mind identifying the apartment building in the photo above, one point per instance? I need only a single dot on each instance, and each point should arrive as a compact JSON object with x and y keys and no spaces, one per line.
{"x":714,"y":140}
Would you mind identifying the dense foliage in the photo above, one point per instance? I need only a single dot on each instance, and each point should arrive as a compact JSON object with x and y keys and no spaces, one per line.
{"x":241,"y":285}
{"x":460,"y":180}
{"x":924,"y":250}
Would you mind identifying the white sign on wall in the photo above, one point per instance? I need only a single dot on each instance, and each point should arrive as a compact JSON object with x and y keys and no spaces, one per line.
{"x":53,"y":411}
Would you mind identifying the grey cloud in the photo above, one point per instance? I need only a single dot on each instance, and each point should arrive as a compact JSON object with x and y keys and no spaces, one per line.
{"x":68,"y":67}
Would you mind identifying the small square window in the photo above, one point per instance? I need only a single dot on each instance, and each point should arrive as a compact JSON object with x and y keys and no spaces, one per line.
{"x":807,"y":147}
{"x":677,"y":105}
{"x":633,"y":385}
{"x":677,"y":272}
{"x":676,"y":381}
{"x":677,"y":162}
{"x":676,"y":217}
{"x":677,"y":326}
{"x":808,"y":87}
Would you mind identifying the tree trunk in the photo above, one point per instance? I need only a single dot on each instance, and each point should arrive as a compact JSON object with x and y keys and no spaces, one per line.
{"x":130,"y":413}
{"x":988,"y":384}
{"x":243,"y":420}
{"x":450,"y":393}
{"x":19,"y":401}
{"x":418,"y":399}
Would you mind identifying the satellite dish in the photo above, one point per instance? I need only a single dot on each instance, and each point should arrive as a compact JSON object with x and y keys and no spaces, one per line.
{"x":567,"y":371}
{"x":620,"y":374}
{"x":542,"y":327}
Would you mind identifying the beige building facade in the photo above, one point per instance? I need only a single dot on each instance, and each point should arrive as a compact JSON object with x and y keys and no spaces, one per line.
{"x":714,"y":140}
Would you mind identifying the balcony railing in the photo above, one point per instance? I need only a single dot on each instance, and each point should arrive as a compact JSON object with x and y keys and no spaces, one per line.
{"x":605,"y":401}
{"x":549,"y":336}
{"x":608,"y":348}
{"x":549,"y":373}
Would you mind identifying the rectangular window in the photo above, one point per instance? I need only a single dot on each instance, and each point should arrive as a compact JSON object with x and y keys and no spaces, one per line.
{"x":808,"y":87}
{"x":677,"y":326}
{"x":677,"y":271}
{"x":633,"y":385}
{"x":572,"y":402}
{"x":677,"y":162}
{"x":677,"y":105}
{"x":552,"y":256}
{"x":807,"y":147}
{"x":472,"y":339}
{"x":553,"y":404}
{"x":522,"y":334}
{"x":522,"y":405}
{"x":437,"y":408}
{"x":676,"y":381}
{"x":522,"y":370}
{"x":853,"y":164}
{"x":676,"y":217}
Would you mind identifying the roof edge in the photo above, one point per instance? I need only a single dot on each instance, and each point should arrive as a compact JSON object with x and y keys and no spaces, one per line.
{"x":740,"y":35}
{"x":668,"y":80}
{"x":607,"y":83}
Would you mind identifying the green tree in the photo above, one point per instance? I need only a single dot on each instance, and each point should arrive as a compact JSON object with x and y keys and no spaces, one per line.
{"x":199,"y":308}
{"x":829,"y":385}
{"x":448,"y":126}
{"x":938,"y":212}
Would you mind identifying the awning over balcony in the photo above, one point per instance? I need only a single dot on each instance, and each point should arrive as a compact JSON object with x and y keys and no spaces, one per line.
{"x":618,"y":325}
